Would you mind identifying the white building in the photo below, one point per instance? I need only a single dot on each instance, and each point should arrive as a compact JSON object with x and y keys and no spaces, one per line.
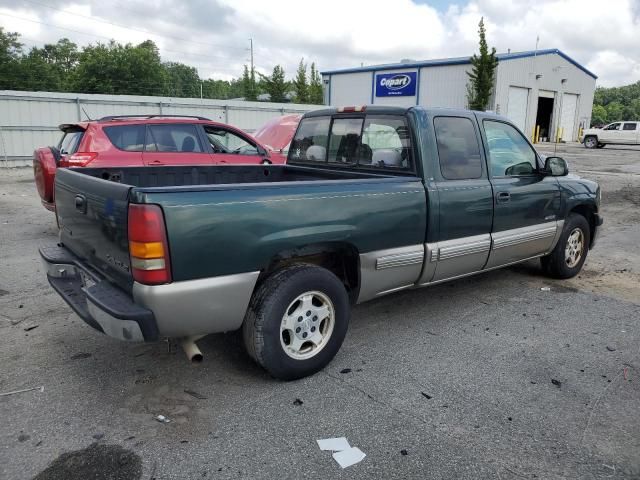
{"x":544,"y":88}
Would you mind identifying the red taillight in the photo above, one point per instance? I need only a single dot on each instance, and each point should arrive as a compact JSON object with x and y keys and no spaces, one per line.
{"x":148,"y":247}
{"x":78,"y":159}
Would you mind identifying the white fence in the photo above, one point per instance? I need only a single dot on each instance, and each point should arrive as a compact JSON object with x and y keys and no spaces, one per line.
{"x":30,"y":119}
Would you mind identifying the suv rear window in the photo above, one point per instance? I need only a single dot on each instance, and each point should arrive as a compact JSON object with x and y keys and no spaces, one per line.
{"x":126,"y":137}
{"x":373,"y":141}
{"x":69,"y":142}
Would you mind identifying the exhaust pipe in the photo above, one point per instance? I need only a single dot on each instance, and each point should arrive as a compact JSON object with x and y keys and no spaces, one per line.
{"x":191,"y":349}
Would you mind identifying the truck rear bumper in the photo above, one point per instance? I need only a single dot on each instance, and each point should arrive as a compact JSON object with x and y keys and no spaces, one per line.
{"x":178,"y":309}
{"x":100,"y":304}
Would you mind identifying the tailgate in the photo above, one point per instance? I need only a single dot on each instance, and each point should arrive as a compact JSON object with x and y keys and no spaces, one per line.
{"x":92,"y":214}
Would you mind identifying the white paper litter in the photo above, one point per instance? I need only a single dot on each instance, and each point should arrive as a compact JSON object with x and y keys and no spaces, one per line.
{"x":546,"y":289}
{"x":349,"y":457}
{"x":334,"y":444}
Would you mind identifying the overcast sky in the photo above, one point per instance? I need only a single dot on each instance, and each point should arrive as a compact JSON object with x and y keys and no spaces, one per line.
{"x":212,"y":35}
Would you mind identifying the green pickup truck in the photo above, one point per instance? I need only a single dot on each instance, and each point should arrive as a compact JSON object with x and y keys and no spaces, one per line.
{"x":372,"y":200}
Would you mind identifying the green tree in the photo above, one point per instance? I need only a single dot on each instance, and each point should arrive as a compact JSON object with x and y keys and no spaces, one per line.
{"x":316,"y":95}
{"x":120,"y":69}
{"x":38,"y":74}
{"x":275,"y":84}
{"x":182,"y":80}
{"x":300,"y":85}
{"x":10,"y":55}
{"x":615,"y":112}
{"x":249,"y":87}
{"x":599,"y":115}
{"x":482,"y":75}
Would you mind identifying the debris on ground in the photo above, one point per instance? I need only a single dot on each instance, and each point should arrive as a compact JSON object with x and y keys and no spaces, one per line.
{"x":80,"y":356}
{"x":557,"y":383}
{"x":344,"y":454}
{"x":611,"y":349}
{"x":404,"y":453}
{"x":30,"y":327}
{"x":334,"y":444}
{"x":6,"y":394}
{"x":162,"y":419}
{"x":427,"y":396}
{"x":345,"y":370}
{"x":98,"y":436}
{"x":297,"y":402}
{"x":194,"y":394}
{"x":349,"y":457}
{"x":23,"y":437}
{"x":545,"y":289}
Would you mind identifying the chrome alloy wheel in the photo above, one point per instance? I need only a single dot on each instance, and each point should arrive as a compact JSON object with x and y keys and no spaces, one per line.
{"x":590,"y":142}
{"x":307,"y":325}
{"x":574,"y":248}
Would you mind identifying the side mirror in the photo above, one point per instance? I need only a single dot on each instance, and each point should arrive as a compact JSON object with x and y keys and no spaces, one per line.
{"x":556,"y":167}
{"x":262,"y":151}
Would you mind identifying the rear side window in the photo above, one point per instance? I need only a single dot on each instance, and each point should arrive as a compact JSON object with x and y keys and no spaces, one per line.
{"x":126,"y":137}
{"x":629,"y":126}
{"x":70,"y":141}
{"x":180,"y":138}
{"x":458,"y":148}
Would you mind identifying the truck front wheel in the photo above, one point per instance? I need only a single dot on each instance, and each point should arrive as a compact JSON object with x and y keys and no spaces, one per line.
{"x":569,"y":254}
{"x":296,"y":321}
{"x":591,"y":142}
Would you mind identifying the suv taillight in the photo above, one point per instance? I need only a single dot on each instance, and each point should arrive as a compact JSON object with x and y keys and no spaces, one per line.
{"x":148,"y":247}
{"x":78,"y":159}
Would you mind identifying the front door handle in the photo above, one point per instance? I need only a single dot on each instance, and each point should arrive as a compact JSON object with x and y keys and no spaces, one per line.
{"x":156,"y":162}
{"x":503,"y":197}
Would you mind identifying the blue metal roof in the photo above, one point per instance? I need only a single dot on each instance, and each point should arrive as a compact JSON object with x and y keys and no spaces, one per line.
{"x":459,"y":61}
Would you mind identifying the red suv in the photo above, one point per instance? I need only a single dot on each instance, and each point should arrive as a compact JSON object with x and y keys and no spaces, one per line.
{"x":145,"y":140}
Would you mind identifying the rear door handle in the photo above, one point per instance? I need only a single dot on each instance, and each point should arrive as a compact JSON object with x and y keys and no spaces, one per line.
{"x":156,"y":162}
{"x":503,"y":197}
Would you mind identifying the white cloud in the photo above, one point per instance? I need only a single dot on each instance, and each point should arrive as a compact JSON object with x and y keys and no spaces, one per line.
{"x":212,"y":35}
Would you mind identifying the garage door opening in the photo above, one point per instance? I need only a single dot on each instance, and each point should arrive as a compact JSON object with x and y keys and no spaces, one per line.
{"x":543,"y":118}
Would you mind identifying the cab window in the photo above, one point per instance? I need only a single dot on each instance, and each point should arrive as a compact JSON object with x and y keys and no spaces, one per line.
{"x":344,"y":142}
{"x":510,"y":155}
{"x":629,"y":126}
{"x":386,"y":143}
{"x":613,"y":126}
{"x":310,"y":140}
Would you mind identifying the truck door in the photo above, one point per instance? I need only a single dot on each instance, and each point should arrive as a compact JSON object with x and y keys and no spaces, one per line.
{"x":526,"y":202}
{"x":629,"y":133}
{"x":465,"y":200}
{"x":611,"y":133}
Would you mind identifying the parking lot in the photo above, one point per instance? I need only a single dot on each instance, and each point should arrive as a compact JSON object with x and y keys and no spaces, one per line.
{"x":486,"y":377}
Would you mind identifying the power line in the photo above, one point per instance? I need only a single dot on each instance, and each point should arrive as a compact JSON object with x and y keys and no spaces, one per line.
{"x":132,"y":28}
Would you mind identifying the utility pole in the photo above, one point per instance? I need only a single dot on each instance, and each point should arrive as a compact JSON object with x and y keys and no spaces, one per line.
{"x":251,"y":50}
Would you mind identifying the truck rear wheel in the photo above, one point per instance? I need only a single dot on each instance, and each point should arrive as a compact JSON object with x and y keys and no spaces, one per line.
{"x":296,"y":321}
{"x":569,"y":254}
{"x":591,"y":142}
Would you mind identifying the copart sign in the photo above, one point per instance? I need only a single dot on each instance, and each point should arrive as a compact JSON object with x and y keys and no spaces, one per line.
{"x":396,"y":84}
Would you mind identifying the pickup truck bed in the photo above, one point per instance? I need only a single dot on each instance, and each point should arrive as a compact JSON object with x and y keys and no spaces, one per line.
{"x":371,"y":202}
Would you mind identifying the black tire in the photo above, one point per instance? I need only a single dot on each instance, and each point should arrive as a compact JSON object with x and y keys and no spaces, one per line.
{"x":261,"y":329}
{"x":590,"y":141}
{"x":556,"y":264}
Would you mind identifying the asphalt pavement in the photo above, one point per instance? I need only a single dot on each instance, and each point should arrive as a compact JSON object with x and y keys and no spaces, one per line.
{"x":493,"y":376}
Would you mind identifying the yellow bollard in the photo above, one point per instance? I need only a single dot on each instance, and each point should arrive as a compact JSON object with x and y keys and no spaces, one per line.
{"x":533,"y":135}
{"x":537,"y":133}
